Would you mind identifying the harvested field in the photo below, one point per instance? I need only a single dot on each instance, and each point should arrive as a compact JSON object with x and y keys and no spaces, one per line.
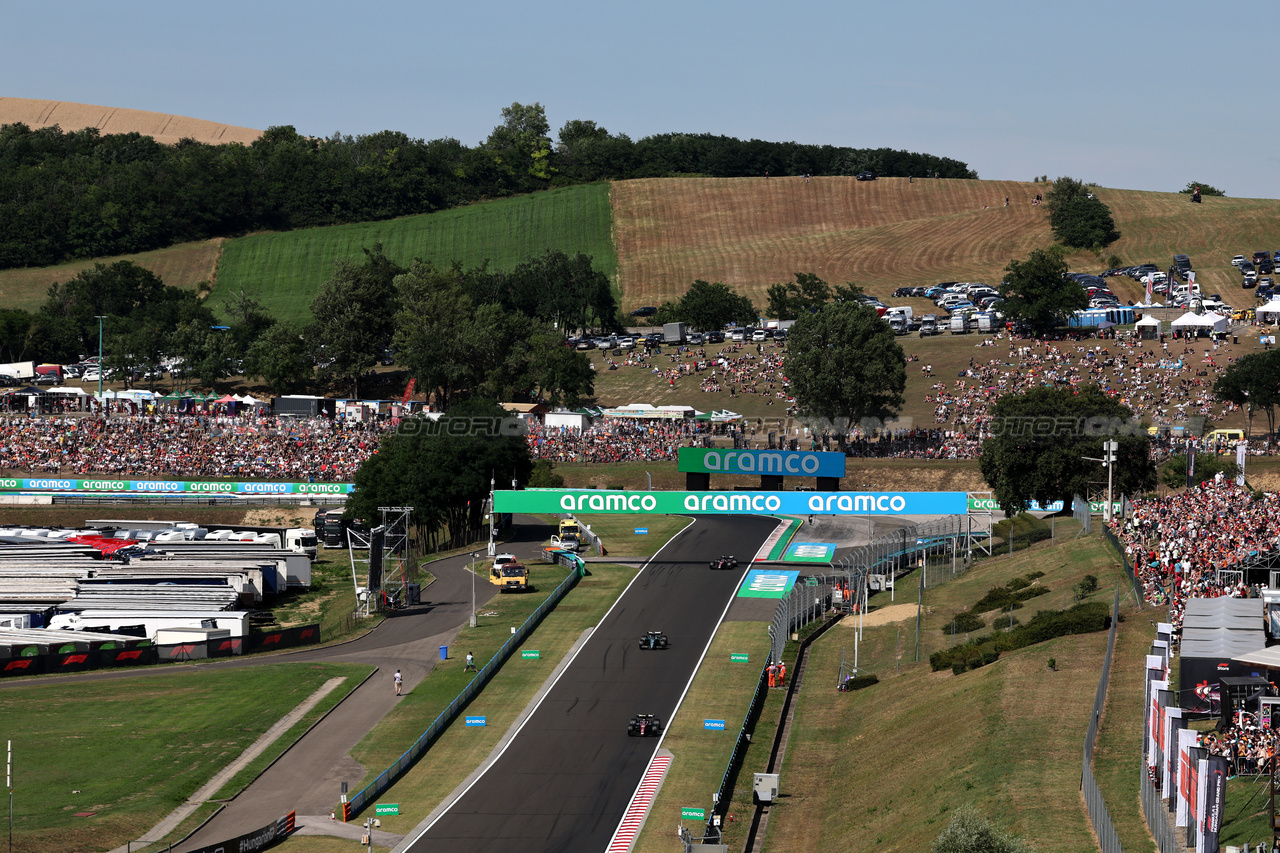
{"x":165,"y":128}
{"x":185,"y":265}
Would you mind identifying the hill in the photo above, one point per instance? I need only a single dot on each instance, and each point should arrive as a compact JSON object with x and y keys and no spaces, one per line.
{"x":166,"y":129}
{"x":889,"y":233}
{"x":284,"y":271}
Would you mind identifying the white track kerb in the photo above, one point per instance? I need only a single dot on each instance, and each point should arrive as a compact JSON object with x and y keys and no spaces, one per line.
{"x":404,"y":846}
{"x":680,"y":701}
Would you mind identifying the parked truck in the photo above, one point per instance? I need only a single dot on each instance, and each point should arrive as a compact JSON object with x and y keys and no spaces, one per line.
{"x":19,"y":369}
{"x":673,"y":333}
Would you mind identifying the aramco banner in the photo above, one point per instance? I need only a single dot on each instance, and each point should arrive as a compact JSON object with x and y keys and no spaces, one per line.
{"x":785,"y":463}
{"x":732,"y":503}
{"x":187,"y":487}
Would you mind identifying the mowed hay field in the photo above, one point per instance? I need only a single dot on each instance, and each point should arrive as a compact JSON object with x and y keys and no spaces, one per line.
{"x":890,"y":233}
{"x":284,"y":271}
{"x":185,"y":265}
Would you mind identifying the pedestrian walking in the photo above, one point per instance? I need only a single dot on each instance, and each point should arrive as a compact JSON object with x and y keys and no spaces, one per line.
{"x":398,"y":679}
{"x":773,"y":675}
{"x":782,"y":674}
{"x":471,"y":663}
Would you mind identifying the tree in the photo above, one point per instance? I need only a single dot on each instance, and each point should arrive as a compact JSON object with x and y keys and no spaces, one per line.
{"x":1173,"y":473}
{"x":1037,"y":291}
{"x":443,"y":469}
{"x":14,"y":325}
{"x":355,"y":316}
{"x":708,"y":306}
{"x":207,"y":354}
{"x":435,"y":335}
{"x":845,"y":365}
{"x":521,"y":143}
{"x":280,"y":358}
{"x":969,"y":832}
{"x":1038,"y":441}
{"x":1252,"y":382}
{"x":1078,"y":218}
{"x":1204,"y":188}
{"x":808,"y":293}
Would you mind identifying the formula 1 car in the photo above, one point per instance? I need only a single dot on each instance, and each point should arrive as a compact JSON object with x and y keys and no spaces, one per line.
{"x":729,"y":562}
{"x":653,"y":640}
{"x":644,"y":725}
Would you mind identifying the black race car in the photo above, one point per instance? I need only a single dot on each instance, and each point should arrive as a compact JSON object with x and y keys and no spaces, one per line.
{"x":729,"y":562}
{"x":644,"y":725}
{"x":653,"y":640}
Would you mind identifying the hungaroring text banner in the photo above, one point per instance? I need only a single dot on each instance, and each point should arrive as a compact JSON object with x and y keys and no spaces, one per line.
{"x":732,"y":503}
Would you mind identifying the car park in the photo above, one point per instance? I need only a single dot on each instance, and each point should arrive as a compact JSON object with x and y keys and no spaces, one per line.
{"x":654,"y":640}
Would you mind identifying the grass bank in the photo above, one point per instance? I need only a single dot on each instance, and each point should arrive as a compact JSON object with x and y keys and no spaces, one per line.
{"x":284,"y":271}
{"x":887,"y":765}
{"x":130,"y":751}
{"x":721,"y":690}
{"x":461,"y":749}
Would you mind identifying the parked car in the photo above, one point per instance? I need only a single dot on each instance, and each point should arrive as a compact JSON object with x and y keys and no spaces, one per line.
{"x":646,"y":311}
{"x":866,"y":175}
{"x":1237,"y":260}
{"x":758,"y":336}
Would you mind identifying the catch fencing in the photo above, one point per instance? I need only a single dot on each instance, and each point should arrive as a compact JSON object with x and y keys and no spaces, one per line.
{"x":1105,"y":830}
{"x":387,"y":777}
{"x":1128,"y":566}
{"x":724,"y":794}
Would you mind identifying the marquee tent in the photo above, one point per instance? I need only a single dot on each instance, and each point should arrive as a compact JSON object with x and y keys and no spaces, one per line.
{"x":1148,"y":327}
{"x":1269,"y":313}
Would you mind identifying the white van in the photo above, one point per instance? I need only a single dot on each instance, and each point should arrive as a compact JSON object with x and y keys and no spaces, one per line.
{"x":959,"y":324}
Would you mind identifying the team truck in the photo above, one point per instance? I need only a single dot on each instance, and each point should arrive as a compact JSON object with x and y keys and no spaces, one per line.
{"x":508,"y":574}
{"x":673,"y":333}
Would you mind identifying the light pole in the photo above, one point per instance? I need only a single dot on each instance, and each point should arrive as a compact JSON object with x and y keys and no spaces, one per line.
{"x":100,"y":317}
{"x":1108,"y":460}
{"x":473,"y":589}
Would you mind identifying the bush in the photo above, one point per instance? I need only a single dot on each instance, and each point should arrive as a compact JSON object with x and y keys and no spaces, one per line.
{"x":964,"y":622}
{"x":1006,"y":598}
{"x":969,"y":832}
{"x":861,"y":681}
{"x":957,"y":667}
{"x":1089,"y":584}
{"x":1084,"y":618}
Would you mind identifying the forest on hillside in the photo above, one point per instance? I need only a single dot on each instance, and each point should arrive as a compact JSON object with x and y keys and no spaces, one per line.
{"x":81,"y":194}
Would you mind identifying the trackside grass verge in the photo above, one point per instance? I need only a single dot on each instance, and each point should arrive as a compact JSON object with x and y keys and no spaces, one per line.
{"x":618,"y":532}
{"x":461,"y":749}
{"x":132,"y":750}
{"x":721,"y":690}
{"x":887,"y":765}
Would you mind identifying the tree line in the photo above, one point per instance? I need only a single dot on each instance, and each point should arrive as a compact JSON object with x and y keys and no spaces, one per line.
{"x":81,"y":194}
{"x":459,"y":332}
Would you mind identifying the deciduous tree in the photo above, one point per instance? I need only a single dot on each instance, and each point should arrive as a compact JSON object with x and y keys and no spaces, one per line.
{"x":1037,"y":291}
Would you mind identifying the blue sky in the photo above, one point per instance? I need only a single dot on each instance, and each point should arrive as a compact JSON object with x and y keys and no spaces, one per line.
{"x":1139,"y":95}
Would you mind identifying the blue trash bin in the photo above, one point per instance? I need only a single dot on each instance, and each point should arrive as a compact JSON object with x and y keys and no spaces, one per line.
{"x":444,"y":653}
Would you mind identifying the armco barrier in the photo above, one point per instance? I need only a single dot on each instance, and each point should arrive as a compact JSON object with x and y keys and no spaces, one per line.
{"x":724,"y":794}
{"x":259,"y":839}
{"x":363,"y":797}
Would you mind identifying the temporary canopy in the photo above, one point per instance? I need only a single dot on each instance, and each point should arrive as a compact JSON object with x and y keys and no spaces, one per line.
{"x":1148,"y":327}
{"x":1189,"y":320}
{"x":1270,"y":312}
{"x":1215,"y":321}
{"x":67,"y":389}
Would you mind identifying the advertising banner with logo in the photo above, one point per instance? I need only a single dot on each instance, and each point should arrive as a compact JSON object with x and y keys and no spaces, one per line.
{"x":186,"y":487}
{"x":1215,"y":801}
{"x":785,"y":463}
{"x":731,"y":503}
{"x":259,"y":839}
{"x":767,"y":583}
{"x":809,"y":552}
{"x":1187,"y":740}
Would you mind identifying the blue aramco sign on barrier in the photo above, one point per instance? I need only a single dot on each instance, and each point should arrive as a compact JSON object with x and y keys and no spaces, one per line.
{"x":717,"y":725}
{"x":475,"y":721}
{"x":784,"y":463}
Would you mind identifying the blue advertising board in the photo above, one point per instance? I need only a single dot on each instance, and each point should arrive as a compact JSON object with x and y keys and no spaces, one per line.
{"x":717,"y":725}
{"x":785,"y":463}
{"x":476,"y":721}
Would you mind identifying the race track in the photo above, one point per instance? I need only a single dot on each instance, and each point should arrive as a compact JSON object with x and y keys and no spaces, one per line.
{"x":564,"y":782}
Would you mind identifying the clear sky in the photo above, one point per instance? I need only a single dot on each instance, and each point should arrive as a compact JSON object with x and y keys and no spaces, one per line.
{"x":1141,"y":95}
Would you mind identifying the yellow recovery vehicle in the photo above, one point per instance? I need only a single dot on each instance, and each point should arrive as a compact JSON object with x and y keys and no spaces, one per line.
{"x":508,"y":574}
{"x":570,"y":535}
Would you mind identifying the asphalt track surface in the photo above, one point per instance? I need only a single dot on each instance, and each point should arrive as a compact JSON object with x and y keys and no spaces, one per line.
{"x":565,"y":780}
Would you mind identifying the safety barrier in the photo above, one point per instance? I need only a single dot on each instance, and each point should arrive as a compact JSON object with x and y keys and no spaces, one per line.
{"x":1108,"y":841}
{"x":386,"y":778}
{"x":259,"y":839}
{"x":724,"y":794}
{"x":1124,"y":560}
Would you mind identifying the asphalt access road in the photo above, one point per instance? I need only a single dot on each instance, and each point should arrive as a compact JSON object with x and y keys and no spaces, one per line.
{"x":308,"y":777}
{"x":564,"y":782}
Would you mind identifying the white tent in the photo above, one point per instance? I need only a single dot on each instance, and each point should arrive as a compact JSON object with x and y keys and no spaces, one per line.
{"x":1187,"y":322}
{"x":1214,"y":321}
{"x":1148,"y":327}
{"x":1270,"y":313}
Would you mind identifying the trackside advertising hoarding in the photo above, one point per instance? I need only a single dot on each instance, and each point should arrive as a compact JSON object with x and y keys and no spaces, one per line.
{"x":732,"y":503}
{"x":789,"y":463}
{"x":187,"y":487}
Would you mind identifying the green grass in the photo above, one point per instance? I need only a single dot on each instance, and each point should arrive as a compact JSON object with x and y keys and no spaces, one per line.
{"x":284,"y":271}
{"x":886,"y":766}
{"x":618,"y":532}
{"x":136,"y":749}
{"x":722,"y":691}
{"x":460,"y":749}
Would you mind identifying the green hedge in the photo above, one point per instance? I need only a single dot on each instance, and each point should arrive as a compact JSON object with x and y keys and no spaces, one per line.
{"x":1082,"y":619}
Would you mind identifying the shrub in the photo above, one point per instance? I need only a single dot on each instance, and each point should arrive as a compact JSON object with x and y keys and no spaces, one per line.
{"x":957,"y":667}
{"x":964,"y":622}
{"x":1082,"y":619}
{"x":861,"y":681}
{"x":969,"y":832}
{"x":1089,"y":584}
